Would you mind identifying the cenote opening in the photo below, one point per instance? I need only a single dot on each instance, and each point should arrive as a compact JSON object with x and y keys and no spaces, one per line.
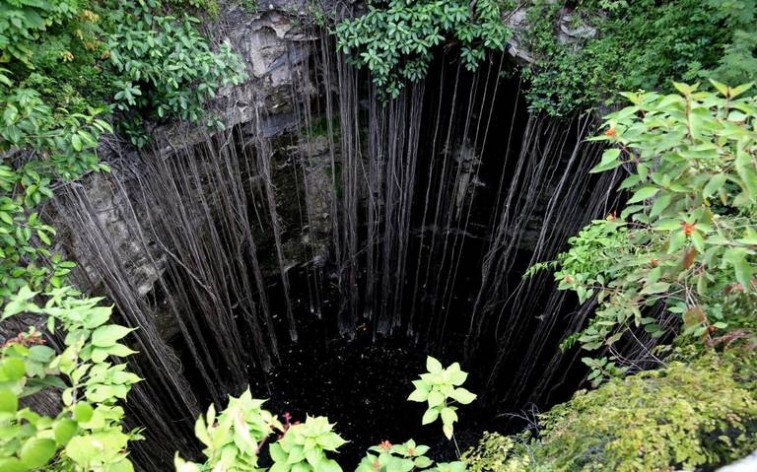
{"x":320,"y":249}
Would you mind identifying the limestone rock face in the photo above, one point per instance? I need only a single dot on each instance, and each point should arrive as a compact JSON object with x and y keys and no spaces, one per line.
{"x":276,"y":50}
{"x":572,"y":31}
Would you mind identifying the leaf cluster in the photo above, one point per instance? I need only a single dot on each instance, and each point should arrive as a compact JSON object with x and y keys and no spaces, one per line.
{"x":639,"y":44}
{"x":686,"y":240}
{"x":395,"y":40}
{"x":685,"y":416}
{"x":87,"y":433}
{"x":440,"y":389}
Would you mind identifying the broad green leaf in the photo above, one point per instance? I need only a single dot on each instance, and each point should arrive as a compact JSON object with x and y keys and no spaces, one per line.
{"x":448,"y":430}
{"x":37,"y":452}
{"x":448,"y":415}
{"x":644,"y":193}
{"x":82,"y":412}
{"x":423,"y":462}
{"x":463,"y":396}
{"x":64,"y":430}
{"x":418,"y":396}
{"x":108,"y":335}
{"x":714,"y":185}
{"x":610,"y":160}
{"x":435,"y":398}
{"x":433,"y":365}
{"x":8,"y":401}
{"x":430,"y":416}
{"x":14,"y":368}
{"x":12,"y":464}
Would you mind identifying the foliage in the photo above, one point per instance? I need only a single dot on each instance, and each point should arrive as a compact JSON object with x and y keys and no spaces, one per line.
{"x":86,"y":433}
{"x":304,"y":447}
{"x":686,"y":240}
{"x":395,"y":39}
{"x":439,"y":387}
{"x":58,"y":73}
{"x":40,"y":147}
{"x":396,"y":457}
{"x":497,"y":453}
{"x":738,"y":62}
{"x":165,"y":67}
{"x":682,"y":417}
{"x":83,"y":54}
{"x":234,"y":439}
{"x":638,"y":44}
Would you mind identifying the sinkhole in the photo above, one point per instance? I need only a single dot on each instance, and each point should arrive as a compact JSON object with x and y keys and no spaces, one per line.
{"x":319,"y":262}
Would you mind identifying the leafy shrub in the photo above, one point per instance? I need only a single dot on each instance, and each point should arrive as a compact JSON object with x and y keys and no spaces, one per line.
{"x":686,"y":239}
{"x":87,"y":433}
{"x":440,"y":387}
{"x":165,"y":66}
{"x":395,"y":39}
{"x":640,"y":44}
{"x":682,"y":416}
{"x":41,"y":147}
{"x":235,"y":438}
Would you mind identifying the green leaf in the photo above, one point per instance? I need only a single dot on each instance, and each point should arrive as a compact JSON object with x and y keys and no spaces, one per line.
{"x":96,"y":316}
{"x":433,"y":365}
{"x":83,"y":412}
{"x":8,"y":401}
{"x":41,"y":354}
{"x":448,"y":415}
{"x":735,"y":92}
{"x":435,"y":398}
{"x":448,"y":430}
{"x":76,"y":142}
{"x":463,"y":396}
{"x":423,"y":462}
{"x":644,"y":193}
{"x":108,"y":335}
{"x":64,"y":430}
{"x":418,"y":396}
{"x":11,"y":464}
{"x":610,"y":160}
{"x":37,"y":452}
{"x":277,"y":453}
{"x":714,"y":184}
{"x":660,"y":204}
{"x":430,"y":416}
{"x":14,"y":368}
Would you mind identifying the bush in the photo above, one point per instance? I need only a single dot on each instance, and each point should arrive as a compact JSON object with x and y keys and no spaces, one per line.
{"x":682,"y":416}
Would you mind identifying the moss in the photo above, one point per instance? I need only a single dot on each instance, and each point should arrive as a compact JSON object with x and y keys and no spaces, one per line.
{"x":685,"y":415}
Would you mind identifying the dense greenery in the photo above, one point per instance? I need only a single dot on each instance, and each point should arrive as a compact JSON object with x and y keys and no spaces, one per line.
{"x":87,"y":433}
{"x":68,"y":66}
{"x":686,"y":240}
{"x":639,"y":44}
{"x":395,"y":40}
{"x":686,"y":243}
{"x":680,"y":417}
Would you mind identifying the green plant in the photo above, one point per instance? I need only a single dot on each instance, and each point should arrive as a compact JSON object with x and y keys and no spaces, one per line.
{"x":395,"y":39}
{"x":166,"y":68}
{"x":87,"y":433}
{"x":395,"y":457}
{"x":303,"y":447}
{"x":497,"y":453}
{"x":439,"y":388}
{"x":40,"y":147}
{"x":235,"y":438}
{"x":638,"y":44}
{"x":687,"y":415}
{"x":686,"y":240}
